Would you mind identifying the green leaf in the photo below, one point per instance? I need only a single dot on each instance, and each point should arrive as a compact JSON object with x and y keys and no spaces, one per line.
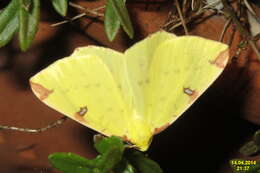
{"x":111,"y":150}
{"x":142,"y":163}
{"x":29,"y":14}
{"x":107,"y":161}
{"x":71,"y":163}
{"x":122,"y":14}
{"x":257,"y":137}
{"x":106,"y":144}
{"x":8,"y":22}
{"x":249,"y":148}
{"x":61,"y":6}
{"x":124,"y":167}
{"x":98,"y":137}
{"x":112,"y":22}
{"x":128,"y":169}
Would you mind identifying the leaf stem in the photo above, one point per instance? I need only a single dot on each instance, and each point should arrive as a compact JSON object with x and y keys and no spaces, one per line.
{"x":86,"y":10}
{"x":225,"y":27}
{"x":181,"y":17}
{"x":39,"y":130}
{"x":66,"y":21}
{"x":91,"y":11}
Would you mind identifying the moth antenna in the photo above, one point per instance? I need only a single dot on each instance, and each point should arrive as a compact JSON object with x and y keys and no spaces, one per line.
{"x":38,"y":130}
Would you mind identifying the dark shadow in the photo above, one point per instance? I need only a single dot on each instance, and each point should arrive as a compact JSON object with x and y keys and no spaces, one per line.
{"x":33,"y":169}
{"x":205,"y":136}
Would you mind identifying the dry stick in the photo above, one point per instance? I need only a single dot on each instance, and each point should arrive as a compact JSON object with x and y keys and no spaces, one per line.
{"x":192,"y":5}
{"x":232,"y":36}
{"x":66,"y":21}
{"x":39,"y":130}
{"x":251,"y":10}
{"x":191,"y":19}
{"x":183,"y":4}
{"x":243,"y":31}
{"x":225,"y":27}
{"x":91,"y":11}
{"x":181,"y":16}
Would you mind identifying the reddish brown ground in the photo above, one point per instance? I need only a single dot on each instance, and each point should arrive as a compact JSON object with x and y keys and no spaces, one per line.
{"x":202,"y":140}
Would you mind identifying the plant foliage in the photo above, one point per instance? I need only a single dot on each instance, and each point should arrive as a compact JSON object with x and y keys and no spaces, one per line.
{"x":113,"y":157}
{"x":23,"y":16}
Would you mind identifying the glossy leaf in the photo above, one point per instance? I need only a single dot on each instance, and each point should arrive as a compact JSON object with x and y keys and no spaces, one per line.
{"x":257,"y":137}
{"x":61,"y":6}
{"x":124,"y":167}
{"x":69,"y":162}
{"x":97,"y":138}
{"x":111,"y":150}
{"x":107,"y":161}
{"x":29,"y":14}
{"x":9,"y":22}
{"x":142,"y":163}
{"x":122,"y":14}
{"x":249,"y":149}
{"x":112,"y":22}
{"x":106,"y":144}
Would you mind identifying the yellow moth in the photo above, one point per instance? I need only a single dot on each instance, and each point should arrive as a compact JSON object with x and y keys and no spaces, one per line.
{"x":135,"y":94}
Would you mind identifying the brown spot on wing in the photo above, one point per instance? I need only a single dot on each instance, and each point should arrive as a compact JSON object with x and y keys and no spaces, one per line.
{"x":221,"y":60}
{"x":192,"y":93}
{"x":80,"y":114}
{"x":188,"y":91}
{"x":159,"y":129}
{"x":82,"y":111}
{"x":40,"y":91}
{"x":79,"y":118}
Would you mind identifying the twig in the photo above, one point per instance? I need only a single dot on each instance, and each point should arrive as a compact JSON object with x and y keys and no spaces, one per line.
{"x":66,"y":21}
{"x":190,"y":19}
{"x":251,"y":10}
{"x":225,"y":27}
{"x":87,"y":10}
{"x":181,"y":17}
{"x":232,"y":35}
{"x":39,"y":130}
{"x":192,"y":5}
{"x":178,"y":22}
{"x":243,"y":31}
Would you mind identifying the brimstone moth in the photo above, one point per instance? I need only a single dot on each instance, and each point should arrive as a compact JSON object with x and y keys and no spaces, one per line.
{"x":135,"y":94}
